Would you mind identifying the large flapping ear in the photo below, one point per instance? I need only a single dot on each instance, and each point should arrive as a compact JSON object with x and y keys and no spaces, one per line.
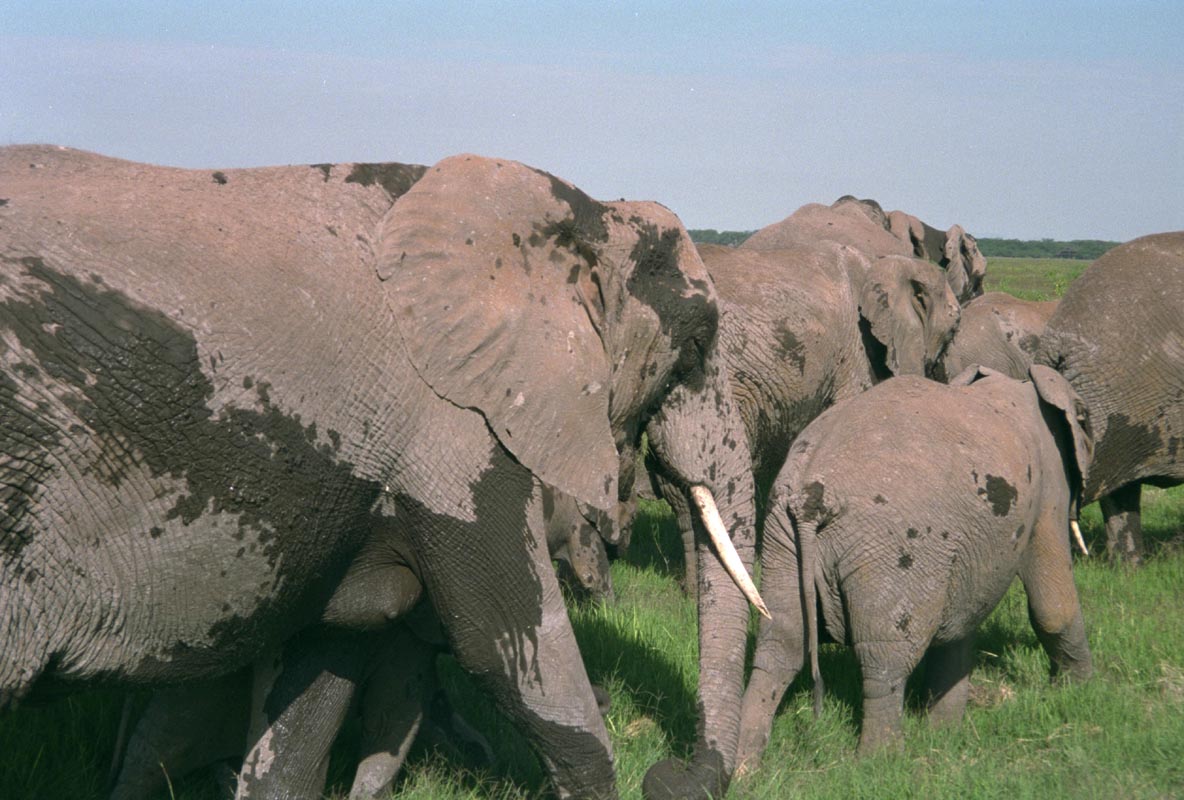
{"x":490,"y":268}
{"x":964,"y":263}
{"x":1055,"y":391}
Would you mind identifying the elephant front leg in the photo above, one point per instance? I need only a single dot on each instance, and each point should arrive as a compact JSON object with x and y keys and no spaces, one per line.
{"x":1124,"y":525}
{"x":498,"y":599}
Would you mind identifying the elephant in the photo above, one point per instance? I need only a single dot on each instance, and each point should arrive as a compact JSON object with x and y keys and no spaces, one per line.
{"x":216,"y":387}
{"x":807,"y":326}
{"x":1118,"y":337}
{"x":389,"y":680}
{"x":997,"y":331}
{"x":864,"y":225}
{"x":195,"y":725}
{"x":902,"y":516}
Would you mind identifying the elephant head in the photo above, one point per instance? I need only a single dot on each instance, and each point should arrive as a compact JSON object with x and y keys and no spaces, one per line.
{"x":573,"y":325}
{"x":908,"y":313}
{"x":955,"y":251}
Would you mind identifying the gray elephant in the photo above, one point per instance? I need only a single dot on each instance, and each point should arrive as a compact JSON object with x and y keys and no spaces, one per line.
{"x":1118,"y":336}
{"x":217,"y":386}
{"x":811,"y":324}
{"x":387,"y":677}
{"x":997,"y":331}
{"x":864,"y":225}
{"x":396,"y":698}
{"x":903,"y":515}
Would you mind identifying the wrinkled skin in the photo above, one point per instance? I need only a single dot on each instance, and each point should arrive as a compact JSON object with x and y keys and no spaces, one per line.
{"x":909,"y":510}
{"x":999,"y":332}
{"x":387,"y":678}
{"x":809,"y":325}
{"x":864,"y":225}
{"x":1118,"y":337}
{"x":196,"y":725}
{"x":217,"y":387}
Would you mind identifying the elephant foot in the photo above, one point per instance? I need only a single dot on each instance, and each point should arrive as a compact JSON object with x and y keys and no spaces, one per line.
{"x":700,"y":780}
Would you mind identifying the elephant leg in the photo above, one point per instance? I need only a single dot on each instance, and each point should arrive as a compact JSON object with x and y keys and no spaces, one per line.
{"x":1053,"y":605}
{"x":780,"y":649}
{"x":499,"y":601}
{"x":392,"y":704}
{"x":1124,"y":525}
{"x":182,"y":730}
{"x":885,"y":666}
{"x":447,"y":731}
{"x":300,"y":701}
{"x":947,"y":680}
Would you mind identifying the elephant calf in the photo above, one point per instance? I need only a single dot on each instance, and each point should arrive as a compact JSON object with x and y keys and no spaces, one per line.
{"x":910,"y":509}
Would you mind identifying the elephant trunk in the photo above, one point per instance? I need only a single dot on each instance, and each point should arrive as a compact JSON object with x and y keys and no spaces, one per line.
{"x":699,"y":444}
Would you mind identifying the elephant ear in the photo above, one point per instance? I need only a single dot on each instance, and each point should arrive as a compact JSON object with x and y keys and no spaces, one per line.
{"x":491,"y":270}
{"x":887,"y":303}
{"x":964,"y":263}
{"x":1055,"y":391}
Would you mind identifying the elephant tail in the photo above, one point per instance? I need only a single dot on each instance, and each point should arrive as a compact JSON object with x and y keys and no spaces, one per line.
{"x":805,"y":526}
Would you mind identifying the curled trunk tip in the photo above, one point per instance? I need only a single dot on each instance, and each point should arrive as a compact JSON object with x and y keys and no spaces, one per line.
{"x":709,"y":513}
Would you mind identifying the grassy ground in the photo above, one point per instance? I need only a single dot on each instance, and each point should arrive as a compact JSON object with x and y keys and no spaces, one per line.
{"x":1032,"y":278}
{"x":1121,"y":735}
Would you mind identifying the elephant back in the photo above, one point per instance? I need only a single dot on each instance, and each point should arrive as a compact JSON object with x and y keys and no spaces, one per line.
{"x":1118,"y":337}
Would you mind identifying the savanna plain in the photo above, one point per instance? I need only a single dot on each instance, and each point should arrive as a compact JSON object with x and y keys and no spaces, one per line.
{"x":1119,"y":736}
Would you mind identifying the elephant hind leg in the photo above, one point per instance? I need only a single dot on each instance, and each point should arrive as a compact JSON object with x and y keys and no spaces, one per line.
{"x":401,"y":680}
{"x":947,"y":680}
{"x":298,"y":708}
{"x":1124,"y":524}
{"x":886,"y":666}
{"x":184,"y":729}
{"x":1053,"y":605}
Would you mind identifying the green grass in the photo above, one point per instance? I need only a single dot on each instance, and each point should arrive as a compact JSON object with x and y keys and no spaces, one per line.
{"x":1032,"y":278}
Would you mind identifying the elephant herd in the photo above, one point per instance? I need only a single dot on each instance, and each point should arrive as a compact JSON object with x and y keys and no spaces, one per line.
{"x":272,"y":438}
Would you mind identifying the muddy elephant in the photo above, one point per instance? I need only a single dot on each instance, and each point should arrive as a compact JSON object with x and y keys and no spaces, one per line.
{"x":864,"y":225}
{"x":903,"y":515}
{"x":997,"y":331}
{"x":1118,"y":336}
{"x":379,"y":667}
{"x":217,"y":386}
{"x":811,"y":324}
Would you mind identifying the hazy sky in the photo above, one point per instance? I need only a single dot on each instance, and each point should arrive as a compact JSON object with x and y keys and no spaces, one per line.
{"x":1019,"y":119}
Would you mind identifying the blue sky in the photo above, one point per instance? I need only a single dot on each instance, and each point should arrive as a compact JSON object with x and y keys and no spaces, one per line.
{"x":1061,"y":120}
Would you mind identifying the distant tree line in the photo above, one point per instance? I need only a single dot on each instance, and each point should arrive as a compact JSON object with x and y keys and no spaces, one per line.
{"x":712,"y":236}
{"x":1087,"y":249}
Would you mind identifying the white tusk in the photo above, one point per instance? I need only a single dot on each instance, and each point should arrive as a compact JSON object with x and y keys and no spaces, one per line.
{"x":723,"y":545}
{"x":1077,"y":537}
